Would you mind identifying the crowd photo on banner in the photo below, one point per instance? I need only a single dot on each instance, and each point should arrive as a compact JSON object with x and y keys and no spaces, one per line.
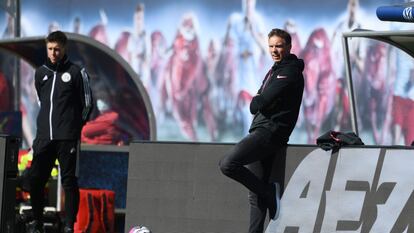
{"x":201,"y":63}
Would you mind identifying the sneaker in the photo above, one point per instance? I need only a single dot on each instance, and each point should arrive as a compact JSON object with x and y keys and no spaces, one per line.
{"x":274,"y":202}
{"x":34,"y":227}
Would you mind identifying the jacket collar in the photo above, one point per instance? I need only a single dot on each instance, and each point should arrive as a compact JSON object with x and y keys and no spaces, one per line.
{"x":285,"y":60}
{"x":58,"y":65}
{"x":288,"y":61}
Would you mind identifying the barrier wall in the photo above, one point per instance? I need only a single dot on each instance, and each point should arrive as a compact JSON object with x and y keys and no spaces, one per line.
{"x":178,"y":187}
{"x":105,"y":167}
{"x":8,"y":171}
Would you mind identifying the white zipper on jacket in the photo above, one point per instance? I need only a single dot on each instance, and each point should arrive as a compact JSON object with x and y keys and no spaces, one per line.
{"x":51,"y":105}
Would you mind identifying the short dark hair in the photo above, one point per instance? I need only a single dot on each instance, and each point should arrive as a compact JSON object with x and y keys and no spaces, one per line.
{"x":282,"y":34}
{"x":57,"y":37}
{"x":140,"y":7}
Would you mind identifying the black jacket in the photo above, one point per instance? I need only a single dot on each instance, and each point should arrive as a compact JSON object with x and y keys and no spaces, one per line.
{"x":276,"y":107}
{"x":65,"y":100}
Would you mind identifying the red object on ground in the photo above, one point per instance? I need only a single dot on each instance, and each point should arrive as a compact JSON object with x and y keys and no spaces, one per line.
{"x":96,"y":211}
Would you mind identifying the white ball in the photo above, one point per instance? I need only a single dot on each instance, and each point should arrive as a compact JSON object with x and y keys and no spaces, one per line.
{"x":139,"y":229}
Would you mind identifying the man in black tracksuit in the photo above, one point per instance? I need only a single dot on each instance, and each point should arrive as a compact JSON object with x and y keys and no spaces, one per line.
{"x":65,"y":100}
{"x":276,"y":109}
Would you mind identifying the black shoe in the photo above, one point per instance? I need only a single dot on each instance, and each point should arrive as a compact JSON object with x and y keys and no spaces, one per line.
{"x":68,"y":229}
{"x":274,"y":202}
{"x":34,"y":227}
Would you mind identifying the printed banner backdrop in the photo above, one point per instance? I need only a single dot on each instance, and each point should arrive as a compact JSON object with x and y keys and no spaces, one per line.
{"x":202,"y":61}
{"x":6,"y":88}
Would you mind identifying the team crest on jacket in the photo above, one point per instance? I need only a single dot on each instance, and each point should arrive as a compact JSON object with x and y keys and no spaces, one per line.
{"x":66,"y":77}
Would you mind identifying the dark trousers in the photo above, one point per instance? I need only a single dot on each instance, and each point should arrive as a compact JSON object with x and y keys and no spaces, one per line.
{"x":257,"y":150}
{"x":45,"y":153}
